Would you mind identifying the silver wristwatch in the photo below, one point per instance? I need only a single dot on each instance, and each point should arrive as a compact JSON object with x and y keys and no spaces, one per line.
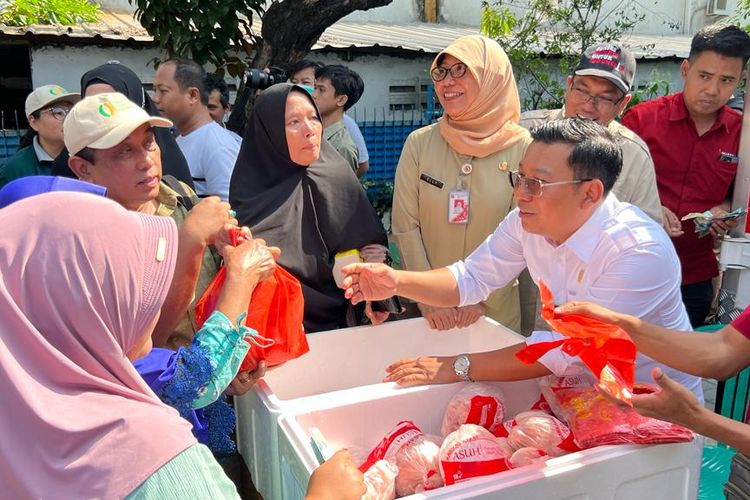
{"x":461,"y":367}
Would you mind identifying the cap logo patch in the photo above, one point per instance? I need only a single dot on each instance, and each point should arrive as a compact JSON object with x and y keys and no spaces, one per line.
{"x":107,"y":109}
{"x":55,"y":90}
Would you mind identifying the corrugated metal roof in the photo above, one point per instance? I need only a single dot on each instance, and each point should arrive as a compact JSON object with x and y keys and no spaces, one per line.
{"x":111,"y":25}
{"x":414,"y":37}
{"x":432,"y":38}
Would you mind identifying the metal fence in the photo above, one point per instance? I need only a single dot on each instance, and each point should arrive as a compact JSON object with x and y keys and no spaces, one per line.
{"x":10,"y":134}
{"x":385,"y":134}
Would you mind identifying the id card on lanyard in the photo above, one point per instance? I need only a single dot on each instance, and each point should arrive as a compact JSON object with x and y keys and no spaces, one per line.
{"x":458,"y":199}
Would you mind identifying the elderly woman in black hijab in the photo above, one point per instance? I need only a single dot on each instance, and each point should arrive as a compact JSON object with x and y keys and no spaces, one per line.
{"x":295,"y":191}
{"x":115,"y":77}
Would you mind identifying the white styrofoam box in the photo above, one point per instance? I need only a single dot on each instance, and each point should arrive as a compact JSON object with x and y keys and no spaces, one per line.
{"x":626,"y":472}
{"x":344,"y":365}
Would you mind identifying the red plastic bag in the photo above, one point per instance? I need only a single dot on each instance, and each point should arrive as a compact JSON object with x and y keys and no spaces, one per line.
{"x":275,"y":311}
{"x":606,"y":349}
{"x":596,"y":421}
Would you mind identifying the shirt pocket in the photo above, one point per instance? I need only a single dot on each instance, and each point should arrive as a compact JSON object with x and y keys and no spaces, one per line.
{"x":711,"y":188}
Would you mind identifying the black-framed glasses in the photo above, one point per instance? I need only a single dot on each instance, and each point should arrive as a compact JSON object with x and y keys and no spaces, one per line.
{"x":534,"y":187}
{"x":599,"y":102}
{"x":456,"y":71}
{"x":58,"y":112}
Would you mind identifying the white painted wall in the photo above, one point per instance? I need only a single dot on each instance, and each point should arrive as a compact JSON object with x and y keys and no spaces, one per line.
{"x":398,"y":11}
{"x":378,"y":73}
{"x":116,"y":5}
{"x":64,"y":66}
{"x":662,"y":17}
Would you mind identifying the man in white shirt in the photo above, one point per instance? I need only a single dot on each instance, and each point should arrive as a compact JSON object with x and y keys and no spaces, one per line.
{"x":570,"y":232}
{"x":210,"y":150}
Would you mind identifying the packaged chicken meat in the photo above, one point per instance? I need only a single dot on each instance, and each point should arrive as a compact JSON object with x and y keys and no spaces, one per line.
{"x":413,"y":453}
{"x":479,"y":404}
{"x":538,"y":429}
{"x":526,"y":456}
{"x":470,"y":451}
{"x":380,"y":480}
{"x":597,"y":421}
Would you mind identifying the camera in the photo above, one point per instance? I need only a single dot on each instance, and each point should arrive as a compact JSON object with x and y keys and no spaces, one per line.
{"x":261,"y":79}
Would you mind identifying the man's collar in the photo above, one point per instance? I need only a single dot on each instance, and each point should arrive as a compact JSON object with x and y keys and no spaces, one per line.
{"x":584,"y":241}
{"x":41,"y":153}
{"x":334,"y":128}
{"x":166,"y":200}
{"x":678,"y":111}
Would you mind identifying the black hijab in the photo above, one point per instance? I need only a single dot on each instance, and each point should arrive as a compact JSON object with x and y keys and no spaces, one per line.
{"x":310,"y":212}
{"x":125,"y":81}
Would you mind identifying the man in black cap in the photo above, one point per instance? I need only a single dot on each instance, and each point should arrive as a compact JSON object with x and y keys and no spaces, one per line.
{"x":599,"y":90}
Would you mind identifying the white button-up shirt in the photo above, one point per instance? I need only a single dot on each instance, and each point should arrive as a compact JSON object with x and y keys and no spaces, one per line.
{"x":619,"y":258}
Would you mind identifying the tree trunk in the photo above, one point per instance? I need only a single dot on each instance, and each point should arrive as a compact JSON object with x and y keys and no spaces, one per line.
{"x":290,"y":29}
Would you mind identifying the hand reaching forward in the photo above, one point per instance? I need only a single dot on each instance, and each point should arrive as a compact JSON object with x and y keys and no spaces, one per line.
{"x":369,"y":282}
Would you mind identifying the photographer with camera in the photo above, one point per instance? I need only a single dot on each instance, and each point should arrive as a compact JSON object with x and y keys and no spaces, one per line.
{"x":211,"y":151}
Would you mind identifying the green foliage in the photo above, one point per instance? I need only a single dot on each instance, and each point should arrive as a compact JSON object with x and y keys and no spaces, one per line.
{"x":652,"y":89}
{"x":545,"y":38}
{"x":742,"y":18}
{"x":202,"y":30}
{"x":59,"y":12}
{"x":380,"y":194}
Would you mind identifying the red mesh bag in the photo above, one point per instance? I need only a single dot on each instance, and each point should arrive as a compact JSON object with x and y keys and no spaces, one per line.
{"x":275,"y":311}
{"x":596,"y":421}
{"x":606,"y":349}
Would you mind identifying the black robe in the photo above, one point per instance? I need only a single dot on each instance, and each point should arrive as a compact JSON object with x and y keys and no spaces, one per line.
{"x":310,"y":212}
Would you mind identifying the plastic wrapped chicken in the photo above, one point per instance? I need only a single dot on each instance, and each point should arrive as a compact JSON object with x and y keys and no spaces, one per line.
{"x":470,"y":451}
{"x":479,"y":404}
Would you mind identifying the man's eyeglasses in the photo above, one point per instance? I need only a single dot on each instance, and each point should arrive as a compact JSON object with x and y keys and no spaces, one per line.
{"x":599,"y":102}
{"x":456,"y":71}
{"x":58,"y":112}
{"x":534,"y":187}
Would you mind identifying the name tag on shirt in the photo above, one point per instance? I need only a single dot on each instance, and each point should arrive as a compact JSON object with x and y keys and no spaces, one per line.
{"x":728,"y":157}
{"x":431,"y":181}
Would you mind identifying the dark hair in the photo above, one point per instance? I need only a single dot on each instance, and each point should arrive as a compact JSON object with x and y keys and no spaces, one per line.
{"x":87,"y":154}
{"x":188,"y":73}
{"x":27,"y":139}
{"x":215,"y":82}
{"x":303,"y":64}
{"x":725,"y":39}
{"x":595,"y":154}
{"x":344,"y":81}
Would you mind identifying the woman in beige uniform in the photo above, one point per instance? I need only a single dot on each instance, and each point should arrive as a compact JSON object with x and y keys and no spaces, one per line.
{"x":451,"y":187}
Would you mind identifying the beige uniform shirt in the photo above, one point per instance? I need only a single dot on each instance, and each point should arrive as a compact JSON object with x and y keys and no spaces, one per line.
{"x":421,"y":229}
{"x":342,"y":142}
{"x":637,"y":181}
{"x":168,"y":206}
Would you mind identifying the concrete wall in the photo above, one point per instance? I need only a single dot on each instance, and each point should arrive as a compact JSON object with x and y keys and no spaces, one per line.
{"x":378,"y":71}
{"x":64,"y":66}
{"x":662,"y":17}
{"x":398,"y":11}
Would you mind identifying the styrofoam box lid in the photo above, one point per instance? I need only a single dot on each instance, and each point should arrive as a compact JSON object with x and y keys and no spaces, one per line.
{"x":606,"y":472}
{"x":354,"y":357}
